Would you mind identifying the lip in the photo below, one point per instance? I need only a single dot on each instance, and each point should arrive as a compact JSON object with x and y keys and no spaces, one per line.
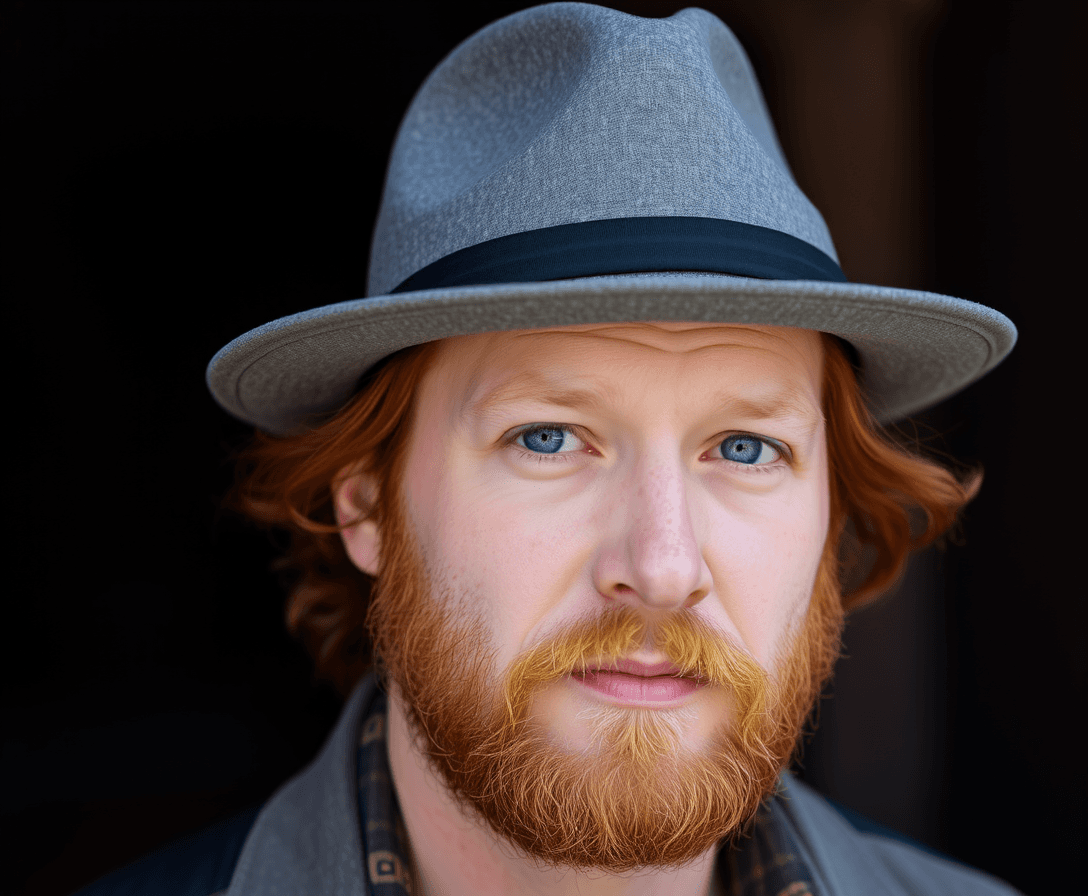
{"x":635,"y":667}
{"x":631,"y":682}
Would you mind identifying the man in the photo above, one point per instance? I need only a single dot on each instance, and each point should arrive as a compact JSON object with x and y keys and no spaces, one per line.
{"x":588,"y":465}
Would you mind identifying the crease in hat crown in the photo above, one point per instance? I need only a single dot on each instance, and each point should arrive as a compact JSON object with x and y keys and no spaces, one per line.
{"x":577,"y":150}
{"x":570,"y":112}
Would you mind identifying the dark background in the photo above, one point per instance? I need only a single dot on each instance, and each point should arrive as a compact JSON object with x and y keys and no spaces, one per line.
{"x":178,"y":173}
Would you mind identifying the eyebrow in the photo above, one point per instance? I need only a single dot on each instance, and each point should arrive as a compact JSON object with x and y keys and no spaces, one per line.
{"x":788,"y":402}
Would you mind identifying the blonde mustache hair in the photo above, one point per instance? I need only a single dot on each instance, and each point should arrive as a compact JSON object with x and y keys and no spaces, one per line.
{"x":684,"y":638}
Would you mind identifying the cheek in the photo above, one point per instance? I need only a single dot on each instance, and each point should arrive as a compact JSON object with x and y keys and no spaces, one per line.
{"x":764,"y":566}
{"x":505,"y":559}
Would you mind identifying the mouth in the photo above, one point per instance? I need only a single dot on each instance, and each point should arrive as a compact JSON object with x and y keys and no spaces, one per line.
{"x":631,"y":682}
{"x":664,"y":669}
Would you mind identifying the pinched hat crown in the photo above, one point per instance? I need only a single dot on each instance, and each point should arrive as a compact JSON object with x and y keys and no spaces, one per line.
{"x":571,"y":164}
{"x":569,"y":113}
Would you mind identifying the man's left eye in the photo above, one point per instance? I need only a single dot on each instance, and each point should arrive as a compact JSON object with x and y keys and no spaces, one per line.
{"x":750,"y":450}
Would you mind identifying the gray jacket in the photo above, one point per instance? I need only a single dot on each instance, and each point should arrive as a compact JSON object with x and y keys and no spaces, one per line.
{"x":306,"y":840}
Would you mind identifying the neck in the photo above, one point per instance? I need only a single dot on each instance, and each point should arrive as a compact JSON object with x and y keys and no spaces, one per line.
{"x":449,"y":853}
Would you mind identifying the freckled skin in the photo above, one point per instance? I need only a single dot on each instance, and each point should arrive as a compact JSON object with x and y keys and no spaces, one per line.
{"x":499,"y":560}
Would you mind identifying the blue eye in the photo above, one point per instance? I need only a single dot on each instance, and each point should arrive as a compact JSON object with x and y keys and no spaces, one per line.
{"x":546,"y":439}
{"x":750,"y":450}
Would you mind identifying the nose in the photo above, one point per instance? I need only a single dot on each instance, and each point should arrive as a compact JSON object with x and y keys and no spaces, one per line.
{"x":654,"y":560}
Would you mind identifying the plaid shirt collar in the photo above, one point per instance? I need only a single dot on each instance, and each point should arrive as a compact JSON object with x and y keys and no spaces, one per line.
{"x":765,"y":863}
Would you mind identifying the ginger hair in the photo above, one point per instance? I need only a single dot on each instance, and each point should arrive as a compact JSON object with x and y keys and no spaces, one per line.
{"x":887,"y":499}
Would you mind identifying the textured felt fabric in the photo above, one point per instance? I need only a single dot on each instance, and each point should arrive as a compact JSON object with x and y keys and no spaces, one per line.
{"x":570,"y":113}
{"x":915,"y":348}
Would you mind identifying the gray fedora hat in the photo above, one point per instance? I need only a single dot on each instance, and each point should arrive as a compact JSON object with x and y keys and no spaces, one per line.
{"x":572,"y":164}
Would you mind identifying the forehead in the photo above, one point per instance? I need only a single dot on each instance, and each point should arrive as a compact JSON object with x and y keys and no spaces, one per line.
{"x":616,"y":359}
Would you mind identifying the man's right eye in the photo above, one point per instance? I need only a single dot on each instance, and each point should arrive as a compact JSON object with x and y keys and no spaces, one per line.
{"x":542,"y":441}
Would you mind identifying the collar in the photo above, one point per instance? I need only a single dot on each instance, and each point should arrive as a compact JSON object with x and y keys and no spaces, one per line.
{"x":309,"y":837}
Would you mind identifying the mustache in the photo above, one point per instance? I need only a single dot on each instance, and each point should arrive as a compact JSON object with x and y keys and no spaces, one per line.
{"x":694,"y":648}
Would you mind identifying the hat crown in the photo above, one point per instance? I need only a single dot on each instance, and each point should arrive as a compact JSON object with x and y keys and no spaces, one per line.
{"x":568,"y":113}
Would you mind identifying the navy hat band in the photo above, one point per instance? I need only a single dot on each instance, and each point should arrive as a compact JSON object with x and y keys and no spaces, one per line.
{"x":629,"y":245}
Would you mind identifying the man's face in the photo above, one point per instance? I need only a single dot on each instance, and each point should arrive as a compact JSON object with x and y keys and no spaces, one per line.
{"x":679,"y":513}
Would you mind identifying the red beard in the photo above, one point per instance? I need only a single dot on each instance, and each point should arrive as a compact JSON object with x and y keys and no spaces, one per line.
{"x":640,"y":798}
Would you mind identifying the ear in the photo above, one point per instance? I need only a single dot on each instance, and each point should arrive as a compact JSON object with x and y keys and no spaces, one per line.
{"x":354,"y":495}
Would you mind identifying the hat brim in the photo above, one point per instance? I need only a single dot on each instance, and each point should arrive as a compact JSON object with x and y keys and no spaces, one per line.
{"x":915,"y":348}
